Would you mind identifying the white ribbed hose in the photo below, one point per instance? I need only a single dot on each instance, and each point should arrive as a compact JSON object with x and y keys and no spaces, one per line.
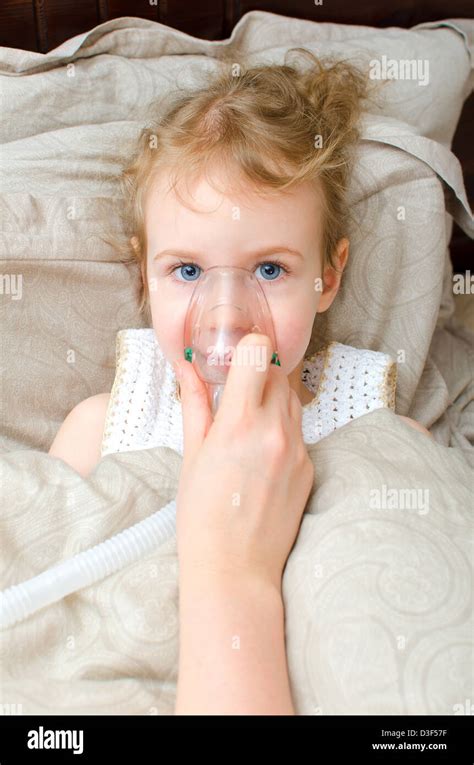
{"x":88,"y":567}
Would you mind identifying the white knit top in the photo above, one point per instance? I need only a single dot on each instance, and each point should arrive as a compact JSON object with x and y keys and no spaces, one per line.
{"x":144,"y":410}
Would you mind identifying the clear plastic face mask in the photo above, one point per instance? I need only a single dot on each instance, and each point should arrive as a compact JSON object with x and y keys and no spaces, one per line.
{"x":227,"y":303}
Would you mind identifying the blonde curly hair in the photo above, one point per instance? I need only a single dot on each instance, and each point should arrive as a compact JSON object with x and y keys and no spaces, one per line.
{"x":276,"y":124}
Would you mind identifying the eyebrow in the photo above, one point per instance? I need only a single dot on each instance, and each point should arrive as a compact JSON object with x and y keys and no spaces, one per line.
{"x":274,"y":249}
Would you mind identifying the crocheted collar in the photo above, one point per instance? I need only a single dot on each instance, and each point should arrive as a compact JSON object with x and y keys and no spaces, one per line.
{"x":309,"y":375}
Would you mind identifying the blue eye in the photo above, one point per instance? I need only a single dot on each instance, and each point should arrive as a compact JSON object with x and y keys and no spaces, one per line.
{"x":271,"y":271}
{"x":186,"y":267}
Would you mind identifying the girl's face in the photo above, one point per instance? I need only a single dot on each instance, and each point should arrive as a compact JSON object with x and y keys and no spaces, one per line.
{"x":229,"y":231}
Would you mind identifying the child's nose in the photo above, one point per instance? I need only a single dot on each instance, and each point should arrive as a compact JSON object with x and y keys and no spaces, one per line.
{"x":226,"y":324}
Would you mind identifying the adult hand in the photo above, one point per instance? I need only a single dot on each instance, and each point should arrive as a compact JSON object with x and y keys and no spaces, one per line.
{"x":246,"y":475}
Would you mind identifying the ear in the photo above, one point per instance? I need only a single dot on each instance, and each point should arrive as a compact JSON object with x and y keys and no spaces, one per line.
{"x":331,"y":277}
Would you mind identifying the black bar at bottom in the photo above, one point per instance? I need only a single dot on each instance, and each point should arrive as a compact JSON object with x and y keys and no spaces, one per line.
{"x":70,"y":738}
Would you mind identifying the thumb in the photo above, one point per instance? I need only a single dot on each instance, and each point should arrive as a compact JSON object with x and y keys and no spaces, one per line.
{"x":197,"y":415}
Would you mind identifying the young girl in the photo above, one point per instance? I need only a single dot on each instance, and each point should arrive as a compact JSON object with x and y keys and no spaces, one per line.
{"x":283,"y":137}
{"x":249,"y":171}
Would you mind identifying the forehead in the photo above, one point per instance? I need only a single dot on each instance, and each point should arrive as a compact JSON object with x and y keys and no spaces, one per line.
{"x":206,"y":213}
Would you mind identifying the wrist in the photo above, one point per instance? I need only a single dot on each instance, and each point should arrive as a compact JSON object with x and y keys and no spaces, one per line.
{"x":210,"y":579}
{"x":232,"y":656}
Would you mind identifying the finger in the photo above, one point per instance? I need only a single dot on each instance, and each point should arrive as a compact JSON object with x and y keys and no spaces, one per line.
{"x":276,"y":395}
{"x":197,"y":415}
{"x":248,"y":373}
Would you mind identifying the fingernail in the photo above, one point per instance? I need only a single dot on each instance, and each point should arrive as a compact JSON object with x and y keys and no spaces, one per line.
{"x":188,"y":354}
{"x":275,"y":359}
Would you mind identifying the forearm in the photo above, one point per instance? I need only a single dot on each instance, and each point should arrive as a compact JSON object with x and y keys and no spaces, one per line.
{"x":232,"y":657}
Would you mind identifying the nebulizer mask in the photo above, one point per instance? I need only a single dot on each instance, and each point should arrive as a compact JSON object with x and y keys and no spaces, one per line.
{"x":227,"y":303}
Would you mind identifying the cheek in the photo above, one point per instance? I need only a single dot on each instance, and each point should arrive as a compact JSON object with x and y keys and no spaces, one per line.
{"x":293,"y":327}
{"x":168,"y":314}
{"x":292,"y":340}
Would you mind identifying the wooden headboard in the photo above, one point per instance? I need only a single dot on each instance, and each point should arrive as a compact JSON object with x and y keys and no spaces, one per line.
{"x":41,"y":25}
